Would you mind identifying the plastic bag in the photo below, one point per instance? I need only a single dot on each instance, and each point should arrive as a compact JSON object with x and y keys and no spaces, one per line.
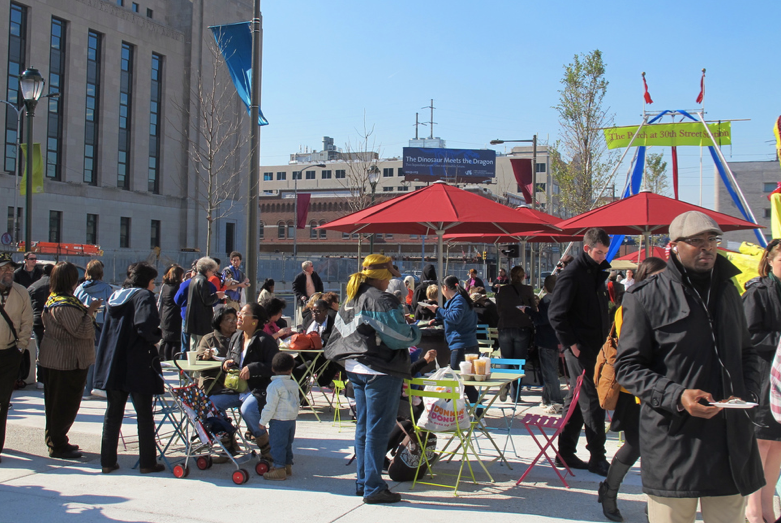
{"x":438,"y":414}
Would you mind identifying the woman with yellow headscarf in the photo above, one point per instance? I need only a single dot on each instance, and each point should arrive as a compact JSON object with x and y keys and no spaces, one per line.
{"x":370,"y":339}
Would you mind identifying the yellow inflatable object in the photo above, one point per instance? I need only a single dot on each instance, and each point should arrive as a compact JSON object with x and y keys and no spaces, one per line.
{"x":747,"y":260}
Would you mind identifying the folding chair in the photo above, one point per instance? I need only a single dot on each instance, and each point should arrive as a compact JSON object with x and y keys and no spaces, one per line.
{"x":557,"y":425}
{"x":483,"y":340}
{"x":505,"y":366}
{"x":339,"y":386}
{"x":451,"y":393}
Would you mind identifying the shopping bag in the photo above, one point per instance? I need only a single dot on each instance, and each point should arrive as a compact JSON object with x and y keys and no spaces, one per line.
{"x":438,"y":414}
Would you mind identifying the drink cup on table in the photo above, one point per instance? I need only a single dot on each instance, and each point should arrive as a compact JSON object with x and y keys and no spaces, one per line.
{"x":479,"y":366}
{"x":192,"y":357}
{"x":466,"y":367}
{"x":471,"y":357}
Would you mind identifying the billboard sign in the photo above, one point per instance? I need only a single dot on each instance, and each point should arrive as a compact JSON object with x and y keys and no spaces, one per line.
{"x":453,"y":165}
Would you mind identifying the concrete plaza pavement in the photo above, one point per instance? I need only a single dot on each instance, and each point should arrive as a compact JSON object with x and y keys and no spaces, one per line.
{"x":36,"y":488}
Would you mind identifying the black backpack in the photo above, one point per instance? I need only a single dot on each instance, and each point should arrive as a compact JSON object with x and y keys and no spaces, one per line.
{"x":407,"y":455}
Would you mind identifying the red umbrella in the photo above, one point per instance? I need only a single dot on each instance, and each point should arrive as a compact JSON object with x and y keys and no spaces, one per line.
{"x":531,"y":237}
{"x":645,"y":213}
{"x":640,"y":255}
{"x":437,"y":209}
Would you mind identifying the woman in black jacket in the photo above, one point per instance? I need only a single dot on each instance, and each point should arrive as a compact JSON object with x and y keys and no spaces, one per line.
{"x":251,"y":350}
{"x":762,"y":303}
{"x":127,"y":364}
{"x":170,"y":313}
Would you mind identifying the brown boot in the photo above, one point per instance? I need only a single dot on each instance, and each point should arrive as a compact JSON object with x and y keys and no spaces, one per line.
{"x":289,"y":470}
{"x":265,"y":448}
{"x":276,"y":475}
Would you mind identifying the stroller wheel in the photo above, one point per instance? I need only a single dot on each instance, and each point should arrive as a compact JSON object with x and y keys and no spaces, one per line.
{"x":180,"y":471}
{"x":262,"y":467}
{"x":204,"y":462}
{"x":240,"y":477}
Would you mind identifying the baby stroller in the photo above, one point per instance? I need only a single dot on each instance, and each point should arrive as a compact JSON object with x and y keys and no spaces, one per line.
{"x":211,"y":435}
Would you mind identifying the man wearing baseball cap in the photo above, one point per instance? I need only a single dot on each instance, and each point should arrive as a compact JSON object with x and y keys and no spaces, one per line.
{"x":16,"y":326}
{"x":685,"y":346}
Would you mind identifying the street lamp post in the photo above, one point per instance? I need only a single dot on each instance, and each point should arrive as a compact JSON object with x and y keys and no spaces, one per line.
{"x":17,"y":163}
{"x":295,"y":205}
{"x":533,"y":141}
{"x":31,"y":84}
{"x":374,"y":177}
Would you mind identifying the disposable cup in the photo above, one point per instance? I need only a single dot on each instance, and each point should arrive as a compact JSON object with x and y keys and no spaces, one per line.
{"x":466,"y":367}
{"x":192,"y":357}
{"x":471,"y":357}
{"x":479,"y":366}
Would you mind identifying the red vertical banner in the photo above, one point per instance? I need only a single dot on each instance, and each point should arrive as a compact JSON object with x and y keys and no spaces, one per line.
{"x":675,"y":171}
{"x":303,"y":209}
{"x":522,"y":169}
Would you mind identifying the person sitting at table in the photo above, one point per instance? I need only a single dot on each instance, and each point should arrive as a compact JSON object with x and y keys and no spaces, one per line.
{"x":422,"y":312}
{"x":487,"y":313}
{"x":321,"y":323}
{"x":274,"y":310}
{"x":251,"y":351}
{"x":306,"y":313}
{"x":332,"y":299}
{"x":217,"y":343}
{"x":266,"y":292}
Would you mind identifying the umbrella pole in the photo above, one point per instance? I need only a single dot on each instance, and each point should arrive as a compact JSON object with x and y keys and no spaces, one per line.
{"x":440,"y":233}
{"x":647,"y":238}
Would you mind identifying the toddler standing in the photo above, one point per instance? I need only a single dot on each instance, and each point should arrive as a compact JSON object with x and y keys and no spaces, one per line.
{"x":280,"y":413}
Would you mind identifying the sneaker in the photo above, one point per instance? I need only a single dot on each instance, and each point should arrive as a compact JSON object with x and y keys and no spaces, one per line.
{"x":556,"y":408}
{"x":383,"y":496}
{"x":544,"y":406}
{"x":276,"y":474}
{"x":99,"y":393}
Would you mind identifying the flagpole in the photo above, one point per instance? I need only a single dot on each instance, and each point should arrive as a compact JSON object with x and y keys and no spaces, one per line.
{"x":256,"y":27}
{"x":701,"y":98}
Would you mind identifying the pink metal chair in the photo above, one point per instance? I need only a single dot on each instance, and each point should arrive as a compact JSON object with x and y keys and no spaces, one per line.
{"x":557,"y":425}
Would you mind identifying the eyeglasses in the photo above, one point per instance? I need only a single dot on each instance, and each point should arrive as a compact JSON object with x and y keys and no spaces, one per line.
{"x":702,"y":242}
{"x":7,"y":268}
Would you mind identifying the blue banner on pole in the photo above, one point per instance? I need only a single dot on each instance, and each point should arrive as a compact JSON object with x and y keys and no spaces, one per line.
{"x":456,"y":165}
{"x":235,"y":43}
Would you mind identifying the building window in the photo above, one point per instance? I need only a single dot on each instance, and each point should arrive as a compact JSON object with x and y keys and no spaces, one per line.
{"x":92,"y":113}
{"x":55,"y":226}
{"x":401,"y":172}
{"x":10,"y":228}
{"x":135,"y":7}
{"x":149,"y":13}
{"x":769,"y":186}
{"x":281,"y":175}
{"x":268,"y":177}
{"x":766,"y":214}
{"x":230,"y":237}
{"x":261,"y":231}
{"x":378,"y":236}
{"x":540,"y":167}
{"x":296,"y":175}
{"x":291,"y":231}
{"x":124,"y":233}
{"x":325,"y":175}
{"x":355,"y":236}
{"x":310,"y":175}
{"x":323,"y":232}
{"x":154,"y":124}
{"x":56,"y":71}
{"x":403,"y":188}
{"x":387,"y":172}
{"x":281,"y":230}
{"x":388,"y":236}
{"x":340,"y":173}
{"x":92,"y":229}
{"x":387,"y":189}
{"x":345,"y":235}
{"x":17,"y":43}
{"x":313,"y":230}
{"x":125,"y":108}
{"x":154,"y":236}
{"x":121,"y":3}
{"x":540,"y":187}
{"x":413,"y":236}
{"x":418,"y":187}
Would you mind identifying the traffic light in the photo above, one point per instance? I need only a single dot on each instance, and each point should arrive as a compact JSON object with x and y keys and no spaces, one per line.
{"x":485,"y":255}
{"x":512,"y":251}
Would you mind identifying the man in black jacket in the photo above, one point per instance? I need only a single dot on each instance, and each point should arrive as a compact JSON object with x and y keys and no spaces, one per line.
{"x":29,"y":272}
{"x":306,"y":283}
{"x":684,"y":344}
{"x":578,"y":313}
{"x":201,"y":298}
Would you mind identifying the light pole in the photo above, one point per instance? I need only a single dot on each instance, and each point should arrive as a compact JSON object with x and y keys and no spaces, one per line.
{"x":295,"y":205}
{"x":374,"y":177}
{"x":533,"y":141}
{"x":31,"y":84}
{"x":17,"y":163}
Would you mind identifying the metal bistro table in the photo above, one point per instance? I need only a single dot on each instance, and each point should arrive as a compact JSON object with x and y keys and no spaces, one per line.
{"x":495,"y":382}
{"x":313,"y":367}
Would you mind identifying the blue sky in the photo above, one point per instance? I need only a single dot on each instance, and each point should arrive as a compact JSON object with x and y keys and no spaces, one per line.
{"x":494,"y":69}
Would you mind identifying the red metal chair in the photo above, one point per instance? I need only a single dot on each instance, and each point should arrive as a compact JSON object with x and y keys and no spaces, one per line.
{"x":557,"y":425}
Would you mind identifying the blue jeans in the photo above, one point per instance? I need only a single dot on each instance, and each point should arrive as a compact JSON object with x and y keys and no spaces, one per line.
{"x":549,"y":369}
{"x":248,"y":405}
{"x":514,"y":344}
{"x":456,"y":357}
{"x":376,"y":403}
{"x":281,"y":435}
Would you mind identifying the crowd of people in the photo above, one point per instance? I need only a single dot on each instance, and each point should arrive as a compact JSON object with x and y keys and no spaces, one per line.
{"x":687,"y":343}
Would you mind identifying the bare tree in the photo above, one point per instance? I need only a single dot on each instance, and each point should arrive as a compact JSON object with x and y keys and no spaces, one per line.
{"x":580,"y":161}
{"x":216,"y":141}
{"x":361,"y":158}
{"x":656,"y":174}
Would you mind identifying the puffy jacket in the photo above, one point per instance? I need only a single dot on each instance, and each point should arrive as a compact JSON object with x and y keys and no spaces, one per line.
{"x":763,"y":315}
{"x":460,"y":321}
{"x":666,"y":346}
{"x":19,"y":310}
{"x":371,"y":330}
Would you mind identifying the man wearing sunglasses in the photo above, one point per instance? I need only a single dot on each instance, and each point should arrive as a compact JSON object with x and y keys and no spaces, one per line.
{"x":29,"y":272}
{"x":685,"y":346}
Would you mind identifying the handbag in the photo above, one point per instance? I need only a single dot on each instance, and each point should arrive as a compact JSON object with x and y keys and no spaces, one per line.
{"x":438,"y":414}
{"x":308,"y":341}
{"x":608,"y":388}
{"x":234,"y":382}
{"x":408,"y":454}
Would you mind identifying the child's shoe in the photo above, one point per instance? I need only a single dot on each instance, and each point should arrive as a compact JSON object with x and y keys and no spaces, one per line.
{"x":289,"y":470}
{"x":276,"y":475}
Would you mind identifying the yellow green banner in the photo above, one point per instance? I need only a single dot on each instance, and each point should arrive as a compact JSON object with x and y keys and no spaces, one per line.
{"x":37,"y":170}
{"x":669,"y":134}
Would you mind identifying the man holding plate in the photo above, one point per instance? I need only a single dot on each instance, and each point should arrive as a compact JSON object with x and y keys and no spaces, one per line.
{"x":684,"y":347}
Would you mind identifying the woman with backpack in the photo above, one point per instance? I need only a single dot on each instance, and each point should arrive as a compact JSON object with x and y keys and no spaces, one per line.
{"x":626,"y":418}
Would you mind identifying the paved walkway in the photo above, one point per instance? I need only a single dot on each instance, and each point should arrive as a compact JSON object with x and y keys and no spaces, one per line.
{"x":34,"y":487}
